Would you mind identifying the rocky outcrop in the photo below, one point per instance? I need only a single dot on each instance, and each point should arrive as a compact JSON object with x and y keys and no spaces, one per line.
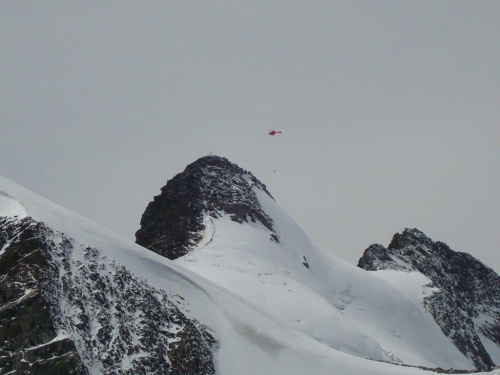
{"x":172,"y":224}
{"x":466,"y":304}
{"x":67,"y":309}
{"x":28,"y":333}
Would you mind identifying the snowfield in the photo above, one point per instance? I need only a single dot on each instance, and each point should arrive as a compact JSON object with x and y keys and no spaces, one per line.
{"x":274,"y":308}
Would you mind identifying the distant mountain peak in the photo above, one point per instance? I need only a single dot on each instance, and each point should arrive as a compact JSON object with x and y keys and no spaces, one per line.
{"x":173,"y":223}
{"x":409,"y":237}
{"x":466,"y":302}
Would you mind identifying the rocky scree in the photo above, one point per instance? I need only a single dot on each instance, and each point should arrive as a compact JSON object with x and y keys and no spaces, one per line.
{"x":466,"y":304}
{"x":172,"y":224}
{"x":67,"y":309}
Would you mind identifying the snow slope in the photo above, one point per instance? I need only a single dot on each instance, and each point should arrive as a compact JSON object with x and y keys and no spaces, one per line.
{"x":10,"y":206}
{"x":334,"y":303}
{"x":303,"y":321}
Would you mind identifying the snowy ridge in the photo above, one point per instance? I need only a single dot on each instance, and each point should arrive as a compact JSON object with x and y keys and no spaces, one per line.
{"x":124,"y":322}
{"x":117,"y":323}
{"x":466,"y":294}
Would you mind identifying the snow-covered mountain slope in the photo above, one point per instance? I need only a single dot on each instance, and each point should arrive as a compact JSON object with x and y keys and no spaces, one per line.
{"x":273,"y":266}
{"x":66,"y":308}
{"x":99,"y":299}
{"x":466,"y":300}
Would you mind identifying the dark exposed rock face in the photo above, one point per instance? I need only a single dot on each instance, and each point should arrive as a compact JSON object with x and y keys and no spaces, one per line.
{"x":64,"y":310}
{"x":28,"y":334}
{"x":172,"y":223}
{"x":467,"y":303}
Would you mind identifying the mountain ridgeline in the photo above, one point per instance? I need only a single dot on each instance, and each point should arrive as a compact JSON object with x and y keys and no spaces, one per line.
{"x":466,"y":301}
{"x":248,"y":292}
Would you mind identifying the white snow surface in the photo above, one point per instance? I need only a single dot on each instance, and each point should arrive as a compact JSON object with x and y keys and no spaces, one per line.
{"x":271,"y":314}
{"x":10,"y":206}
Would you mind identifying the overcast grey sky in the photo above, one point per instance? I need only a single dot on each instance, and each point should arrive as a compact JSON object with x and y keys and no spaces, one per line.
{"x":389,"y":110}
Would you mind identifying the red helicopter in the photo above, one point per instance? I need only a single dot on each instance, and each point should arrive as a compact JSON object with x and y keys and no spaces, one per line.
{"x":274,"y":132}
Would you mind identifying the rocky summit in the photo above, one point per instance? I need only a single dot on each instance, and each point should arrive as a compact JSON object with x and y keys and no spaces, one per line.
{"x":172,"y":224}
{"x":466,"y":300}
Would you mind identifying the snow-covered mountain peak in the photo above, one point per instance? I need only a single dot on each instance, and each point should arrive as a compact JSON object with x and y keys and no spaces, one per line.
{"x":174,"y":223}
{"x":466,"y":301}
{"x":409,"y":244}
